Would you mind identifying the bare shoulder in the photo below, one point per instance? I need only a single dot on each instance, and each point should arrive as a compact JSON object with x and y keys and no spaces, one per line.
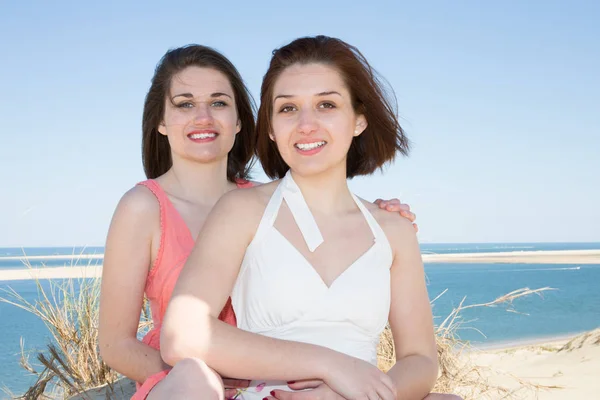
{"x":137,"y":215}
{"x":245,"y":205}
{"x":393,"y":224}
{"x":138,"y":202}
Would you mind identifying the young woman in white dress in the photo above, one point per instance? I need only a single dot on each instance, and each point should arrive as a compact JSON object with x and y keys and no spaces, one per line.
{"x":314,"y":272}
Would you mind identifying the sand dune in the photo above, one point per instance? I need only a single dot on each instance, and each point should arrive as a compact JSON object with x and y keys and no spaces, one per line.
{"x":560,"y":369}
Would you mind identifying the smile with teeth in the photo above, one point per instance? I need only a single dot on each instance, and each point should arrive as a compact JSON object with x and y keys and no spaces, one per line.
{"x":310,"y":146}
{"x":202,"y":135}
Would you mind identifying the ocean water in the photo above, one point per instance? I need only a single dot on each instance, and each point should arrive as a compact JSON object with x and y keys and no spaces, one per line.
{"x":573,"y":306}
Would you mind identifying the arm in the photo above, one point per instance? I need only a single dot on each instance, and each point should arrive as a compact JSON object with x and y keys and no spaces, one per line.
{"x":416,"y":368}
{"x":127,"y":258}
{"x":202,"y":290}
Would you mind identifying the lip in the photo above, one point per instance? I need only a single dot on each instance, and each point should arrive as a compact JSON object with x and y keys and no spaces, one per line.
{"x":203,"y":131}
{"x":310,"y":152}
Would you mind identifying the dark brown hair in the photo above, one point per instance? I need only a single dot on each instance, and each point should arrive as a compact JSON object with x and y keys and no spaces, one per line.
{"x":156,"y":151}
{"x":382,"y":138}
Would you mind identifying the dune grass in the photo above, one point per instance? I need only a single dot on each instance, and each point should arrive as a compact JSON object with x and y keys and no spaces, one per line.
{"x":457,"y":374}
{"x":71,"y":363}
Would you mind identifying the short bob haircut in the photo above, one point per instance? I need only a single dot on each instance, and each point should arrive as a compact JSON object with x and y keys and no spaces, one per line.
{"x":156,"y":151}
{"x":372,"y":149}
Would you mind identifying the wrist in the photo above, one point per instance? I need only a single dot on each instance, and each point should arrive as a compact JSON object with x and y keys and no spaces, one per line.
{"x":329,"y":364}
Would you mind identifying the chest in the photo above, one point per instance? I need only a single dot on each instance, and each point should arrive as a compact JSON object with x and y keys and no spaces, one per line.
{"x":346,"y":240}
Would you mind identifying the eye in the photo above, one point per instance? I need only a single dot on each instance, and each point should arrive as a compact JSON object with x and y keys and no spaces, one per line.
{"x":185,"y":104}
{"x":219,"y":103}
{"x":326,"y":104}
{"x":287,"y":109}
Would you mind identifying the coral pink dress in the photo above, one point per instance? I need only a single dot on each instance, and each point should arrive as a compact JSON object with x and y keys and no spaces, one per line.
{"x":176,"y":244}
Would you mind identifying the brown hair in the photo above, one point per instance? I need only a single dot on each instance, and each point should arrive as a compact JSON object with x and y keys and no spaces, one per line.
{"x":382,"y":138}
{"x":156,"y":151}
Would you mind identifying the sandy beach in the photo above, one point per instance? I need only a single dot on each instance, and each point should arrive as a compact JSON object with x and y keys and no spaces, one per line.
{"x":50,"y":273}
{"x":559,"y":369}
{"x":532,"y":257}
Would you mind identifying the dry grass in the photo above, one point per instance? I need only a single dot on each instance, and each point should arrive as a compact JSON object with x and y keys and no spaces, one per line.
{"x":592,"y":337}
{"x":71,"y":363}
{"x":458,"y":375}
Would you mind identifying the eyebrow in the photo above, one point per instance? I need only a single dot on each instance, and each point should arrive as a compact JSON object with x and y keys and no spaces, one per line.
{"x":191,"y":96}
{"x":288,"y":96}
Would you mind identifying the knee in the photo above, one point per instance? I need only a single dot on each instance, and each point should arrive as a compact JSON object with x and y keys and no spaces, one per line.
{"x":190,"y":378}
{"x":191,"y":367}
{"x":442,"y":396}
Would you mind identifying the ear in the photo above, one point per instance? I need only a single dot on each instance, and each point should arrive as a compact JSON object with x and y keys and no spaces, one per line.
{"x":162,"y":129}
{"x":238,"y":126}
{"x":271,"y":136}
{"x":361,"y":125}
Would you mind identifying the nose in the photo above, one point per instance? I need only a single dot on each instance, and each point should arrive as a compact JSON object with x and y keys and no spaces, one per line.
{"x":307,"y":123}
{"x":203,"y":115}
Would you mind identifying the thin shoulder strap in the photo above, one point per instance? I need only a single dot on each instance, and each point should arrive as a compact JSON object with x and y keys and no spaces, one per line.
{"x":156,"y":190}
{"x":301,"y":212}
{"x":270,"y":214}
{"x":376,"y":229}
{"x":163,"y":202}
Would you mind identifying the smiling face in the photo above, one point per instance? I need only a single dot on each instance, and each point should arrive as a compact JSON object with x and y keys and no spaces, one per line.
{"x":200,"y":118}
{"x":313,"y":120}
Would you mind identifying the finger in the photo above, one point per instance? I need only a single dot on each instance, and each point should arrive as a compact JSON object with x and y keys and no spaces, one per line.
{"x":230,"y":393}
{"x":373,"y":396}
{"x":408,"y":215}
{"x":235,"y":383}
{"x":377,"y":201}
{"x":396,"y":201}
{"x":402,"y":206}
{"x":416,"y":227}
{"x":388,"y":389}
{"x":385,"y":393}
{"x":397,"y":207}
{"x":284,"y":395}
{"x":306,"y":384}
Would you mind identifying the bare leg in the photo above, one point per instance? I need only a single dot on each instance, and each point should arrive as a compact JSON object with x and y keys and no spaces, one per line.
{"x":190,"y":378}
{"x":441,"y":396}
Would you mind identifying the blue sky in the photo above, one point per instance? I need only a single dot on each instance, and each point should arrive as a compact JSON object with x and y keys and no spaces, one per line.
{"x":500,"y":99}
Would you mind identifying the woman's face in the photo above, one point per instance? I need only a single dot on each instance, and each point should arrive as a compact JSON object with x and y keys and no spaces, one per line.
{"x":313,"y":119}
{"x":200,"y":118}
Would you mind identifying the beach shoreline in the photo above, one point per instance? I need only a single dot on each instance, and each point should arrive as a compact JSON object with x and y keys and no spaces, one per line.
{"x":527,"y":257}
{"x":94,"y":271}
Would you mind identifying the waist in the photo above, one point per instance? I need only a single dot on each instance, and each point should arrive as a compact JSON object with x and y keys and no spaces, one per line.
{"x":338,"y":336}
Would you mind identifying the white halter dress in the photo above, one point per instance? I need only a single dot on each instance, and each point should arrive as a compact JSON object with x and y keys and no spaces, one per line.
{"x":279,"y":294}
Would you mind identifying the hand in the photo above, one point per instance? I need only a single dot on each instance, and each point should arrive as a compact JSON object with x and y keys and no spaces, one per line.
{"x":232,"y":385}
{"x":355,"y":379}
{"x":394,"y":205}
{"x":319,"y":391}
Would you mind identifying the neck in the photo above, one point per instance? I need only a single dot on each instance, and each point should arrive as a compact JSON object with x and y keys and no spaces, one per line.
{"x":200,"y":183}
{"x":327,"y":192}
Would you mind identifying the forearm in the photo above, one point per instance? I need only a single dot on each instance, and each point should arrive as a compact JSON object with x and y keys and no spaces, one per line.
{"x":134,"y":359}
{"x":414,"y":377}
{"x":240,"y":354}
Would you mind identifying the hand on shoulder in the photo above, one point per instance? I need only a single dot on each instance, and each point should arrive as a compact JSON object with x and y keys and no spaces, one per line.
{"x":392,"y":223}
